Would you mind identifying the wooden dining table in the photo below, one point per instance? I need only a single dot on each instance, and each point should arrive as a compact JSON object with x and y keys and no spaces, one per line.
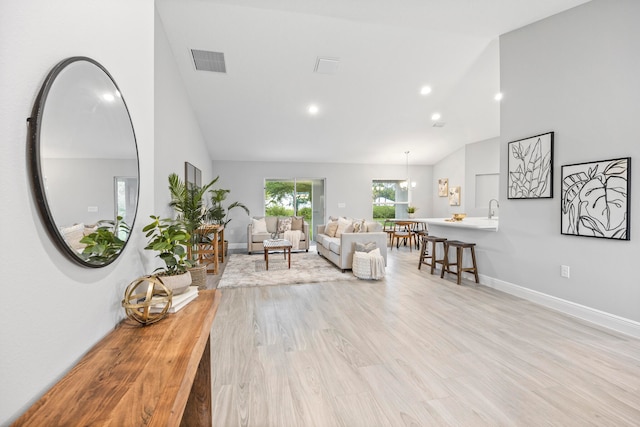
{"x":411,"y":228}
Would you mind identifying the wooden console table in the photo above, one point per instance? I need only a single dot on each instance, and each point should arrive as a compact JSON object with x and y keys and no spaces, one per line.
{"x":157,"y":375}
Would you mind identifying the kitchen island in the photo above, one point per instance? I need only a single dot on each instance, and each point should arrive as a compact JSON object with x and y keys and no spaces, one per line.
{"x":479,"y":230}
{"x":475,"y":223}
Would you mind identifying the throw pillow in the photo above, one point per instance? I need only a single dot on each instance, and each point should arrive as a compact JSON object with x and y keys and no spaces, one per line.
{"x":284,"y":224}
{"x":365,"y":247}
{"x":259,"y":225}
{"x":72,"y":236}
{"x":272,"y":224}
{"x":343,"y":225}
{"x":297,"y":222}
{"x":359,"y":226}
{"x":331,"y":228}
{"x":373,"y":226}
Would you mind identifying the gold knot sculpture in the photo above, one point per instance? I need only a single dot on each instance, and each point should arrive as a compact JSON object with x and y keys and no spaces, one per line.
{"x":144,"y":298}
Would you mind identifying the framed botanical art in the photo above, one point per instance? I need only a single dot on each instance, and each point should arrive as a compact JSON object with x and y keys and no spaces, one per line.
{"x":595,"y":199}
{"x":443,"y":187}
{"x":454,"y":196}
{"x":531,"y":168}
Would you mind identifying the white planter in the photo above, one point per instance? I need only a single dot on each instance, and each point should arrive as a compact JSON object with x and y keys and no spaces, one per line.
{"x":178,"y":283}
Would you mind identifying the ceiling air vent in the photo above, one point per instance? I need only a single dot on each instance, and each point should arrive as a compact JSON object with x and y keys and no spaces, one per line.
{"x":205,"y":60}
{"x":326,"y":65}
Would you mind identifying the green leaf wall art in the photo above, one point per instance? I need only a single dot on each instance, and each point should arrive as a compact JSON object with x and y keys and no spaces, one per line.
{"x":531,"y":168}
{"x":595,"y":199}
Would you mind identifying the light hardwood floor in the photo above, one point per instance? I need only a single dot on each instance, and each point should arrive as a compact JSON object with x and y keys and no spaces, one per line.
{"x":414,"y":350}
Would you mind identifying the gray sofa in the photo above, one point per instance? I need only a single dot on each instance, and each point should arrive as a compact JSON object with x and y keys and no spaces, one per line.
{"x":339,"y":250}
{"x":254,"y":239}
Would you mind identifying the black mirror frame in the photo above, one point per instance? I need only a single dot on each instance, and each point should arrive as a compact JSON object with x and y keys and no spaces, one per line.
{"x":35,"y":166}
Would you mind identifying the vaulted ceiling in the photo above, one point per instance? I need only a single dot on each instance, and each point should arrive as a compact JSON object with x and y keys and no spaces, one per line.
{"x":370,"y":109}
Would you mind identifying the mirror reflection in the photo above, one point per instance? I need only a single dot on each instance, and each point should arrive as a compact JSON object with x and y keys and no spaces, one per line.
{"x":85,"y":161}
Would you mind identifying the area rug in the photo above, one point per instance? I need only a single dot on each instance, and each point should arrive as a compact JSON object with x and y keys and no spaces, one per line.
{"x":306,"y":267}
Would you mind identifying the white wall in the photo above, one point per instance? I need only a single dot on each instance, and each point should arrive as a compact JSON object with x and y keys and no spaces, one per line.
{"x":451,"y":167}
{"x":70,"y":197}
{"x":574,"y":73}
{"x":461,"y":168}
{"x":178,"y":135}
{"x":345,"y":183}
{"x":481,"y":158}
{"x":53,"y":311}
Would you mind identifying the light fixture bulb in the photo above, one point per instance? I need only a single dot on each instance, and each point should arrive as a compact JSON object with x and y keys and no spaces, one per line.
{"x":435,"y":116}
{"x":425,"y":90}
{"x":313,"y":109}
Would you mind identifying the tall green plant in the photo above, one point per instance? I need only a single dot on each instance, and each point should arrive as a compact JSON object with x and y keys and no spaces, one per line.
{"x":190,"y":204}
{"x":218,"y":213}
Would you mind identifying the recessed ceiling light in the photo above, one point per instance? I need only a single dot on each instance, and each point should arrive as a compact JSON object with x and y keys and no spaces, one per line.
{"x":425,"y":90}
{"x":313,"y":109}
{"x":435,"y":116}
{"x":498,"y":96}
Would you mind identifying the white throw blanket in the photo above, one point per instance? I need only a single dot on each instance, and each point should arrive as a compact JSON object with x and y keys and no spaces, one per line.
{"x":294,"y":237}
{"x":368,"y":265}
{"x":377,"y":267}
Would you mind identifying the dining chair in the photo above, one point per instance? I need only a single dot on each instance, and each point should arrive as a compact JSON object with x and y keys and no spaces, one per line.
{"x":403,"y":230}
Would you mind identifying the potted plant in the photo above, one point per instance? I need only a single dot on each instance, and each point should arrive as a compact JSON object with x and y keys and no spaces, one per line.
{"x":170,"y":238}
{"x":191,"y":208}
{"x":218,"y":213}
{"x":411,"y":210}
{"x":104,"y":244}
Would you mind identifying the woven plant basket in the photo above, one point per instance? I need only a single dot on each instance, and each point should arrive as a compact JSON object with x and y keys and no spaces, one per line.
{"x":199,"y":276}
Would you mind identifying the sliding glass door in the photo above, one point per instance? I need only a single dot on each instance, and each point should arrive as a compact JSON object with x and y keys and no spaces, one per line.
{"x":295,"y":196}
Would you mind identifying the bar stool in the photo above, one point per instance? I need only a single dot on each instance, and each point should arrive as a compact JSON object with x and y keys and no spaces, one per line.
{"x":459,"y":247}
{"x":429,"y":258}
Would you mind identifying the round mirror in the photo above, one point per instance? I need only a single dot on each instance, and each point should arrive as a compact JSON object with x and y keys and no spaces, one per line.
{"x":84,"y":162}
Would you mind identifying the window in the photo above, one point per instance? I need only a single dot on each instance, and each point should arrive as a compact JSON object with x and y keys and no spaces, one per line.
{"x":295,"y":196}
{"x":390,"y":199}
{"x":126,"y":200}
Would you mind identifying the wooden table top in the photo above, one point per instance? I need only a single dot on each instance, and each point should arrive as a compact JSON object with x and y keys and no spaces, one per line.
{"x":137,"y":375}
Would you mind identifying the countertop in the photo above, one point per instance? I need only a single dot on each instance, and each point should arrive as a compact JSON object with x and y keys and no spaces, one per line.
{"x":476,"y":223}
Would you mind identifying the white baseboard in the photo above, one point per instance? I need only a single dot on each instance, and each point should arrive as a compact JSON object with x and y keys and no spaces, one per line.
{"x":601,"y":318}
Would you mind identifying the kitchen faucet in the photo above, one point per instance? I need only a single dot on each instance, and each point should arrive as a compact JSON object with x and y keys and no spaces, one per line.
{"x":491,"y":213}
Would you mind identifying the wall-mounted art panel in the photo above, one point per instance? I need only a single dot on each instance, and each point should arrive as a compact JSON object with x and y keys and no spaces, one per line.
{"x":531,"y":168}
{"x":595,"y":199}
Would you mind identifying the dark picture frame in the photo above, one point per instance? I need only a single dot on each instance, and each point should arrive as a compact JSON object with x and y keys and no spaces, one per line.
{"x":595,"y":199}
{"x":530,"y":167}
{"x":192,"y":175}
